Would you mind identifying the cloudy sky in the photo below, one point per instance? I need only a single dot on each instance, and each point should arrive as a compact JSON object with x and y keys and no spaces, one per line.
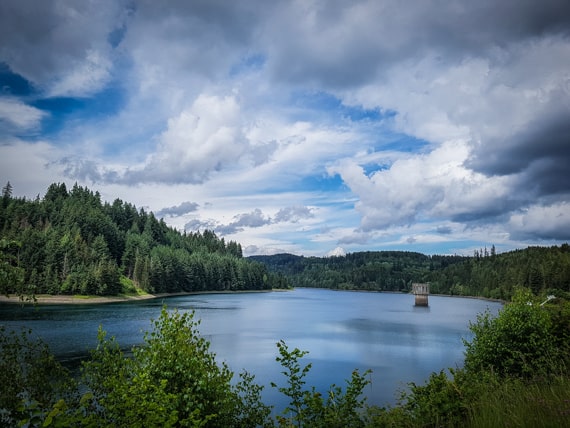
{"x":299,"y":126}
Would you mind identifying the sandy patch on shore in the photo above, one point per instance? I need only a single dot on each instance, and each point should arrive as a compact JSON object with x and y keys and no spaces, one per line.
{"x":49,"y":299}
{"x":46,"y":299}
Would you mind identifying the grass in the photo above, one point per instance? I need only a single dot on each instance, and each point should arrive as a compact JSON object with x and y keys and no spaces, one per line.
{"x":518,"y":403}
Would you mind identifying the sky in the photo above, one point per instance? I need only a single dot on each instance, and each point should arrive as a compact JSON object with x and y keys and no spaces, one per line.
{"x":310,"y":127}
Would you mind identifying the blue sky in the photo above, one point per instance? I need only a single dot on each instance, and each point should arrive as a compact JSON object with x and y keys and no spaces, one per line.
{"x":299,"y":126}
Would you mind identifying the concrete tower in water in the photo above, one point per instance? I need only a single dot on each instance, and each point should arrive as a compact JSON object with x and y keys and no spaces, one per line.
{"x":421,"y":292}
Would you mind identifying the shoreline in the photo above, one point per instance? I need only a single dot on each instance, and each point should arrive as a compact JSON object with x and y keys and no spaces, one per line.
{"x":60,"y":299}
{"x":488,"y":299}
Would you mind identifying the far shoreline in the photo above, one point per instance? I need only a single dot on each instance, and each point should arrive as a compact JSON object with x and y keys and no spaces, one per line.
{"x":63,"y":299}
{"x":488,"y":299}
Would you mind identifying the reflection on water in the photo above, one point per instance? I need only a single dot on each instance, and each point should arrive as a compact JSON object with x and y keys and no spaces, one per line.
{"x":342,"y":331}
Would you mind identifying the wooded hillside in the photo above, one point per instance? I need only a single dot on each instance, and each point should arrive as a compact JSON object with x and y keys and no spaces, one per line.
{"x":70,"y":242}
{"x":486,"y":274}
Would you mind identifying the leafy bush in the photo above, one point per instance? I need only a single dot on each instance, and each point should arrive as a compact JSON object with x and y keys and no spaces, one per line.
{"x":173,"y":379}
{"x":518,"y":342}
{"x":31,"y":378}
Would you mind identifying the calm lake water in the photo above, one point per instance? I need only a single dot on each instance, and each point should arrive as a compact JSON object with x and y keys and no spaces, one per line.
{"x":341,"y":330}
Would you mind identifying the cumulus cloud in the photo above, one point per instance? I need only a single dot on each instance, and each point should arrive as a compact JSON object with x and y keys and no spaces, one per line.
{"x":436,"y":184}
{"x":206,"y":137}
{"x":498,"y":107}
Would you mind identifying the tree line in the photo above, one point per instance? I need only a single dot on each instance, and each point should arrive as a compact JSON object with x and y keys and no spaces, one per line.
{"x":485,"y":274}
{"x":71,"y":242}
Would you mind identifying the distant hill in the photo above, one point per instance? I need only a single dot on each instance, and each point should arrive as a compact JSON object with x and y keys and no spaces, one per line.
{"x":486,"y":274}
{"x":70,"y":242}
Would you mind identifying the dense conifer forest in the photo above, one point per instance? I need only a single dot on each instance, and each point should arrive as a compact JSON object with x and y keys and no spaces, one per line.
{"x":71,"y":242}
{"x":485,"y":274}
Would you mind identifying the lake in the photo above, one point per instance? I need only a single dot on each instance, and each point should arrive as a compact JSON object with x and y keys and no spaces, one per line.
{"x":342,"y":330}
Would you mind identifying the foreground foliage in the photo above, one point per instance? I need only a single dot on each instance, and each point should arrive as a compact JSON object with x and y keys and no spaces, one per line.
{"x":516,"y":364}
{"x":515,"y":374}
{"x":172,"y":380}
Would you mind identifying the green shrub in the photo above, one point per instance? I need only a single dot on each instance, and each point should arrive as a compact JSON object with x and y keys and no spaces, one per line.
{"x":174,"y":379}
{"x":518,"y":342}
{"x":32,"y":379}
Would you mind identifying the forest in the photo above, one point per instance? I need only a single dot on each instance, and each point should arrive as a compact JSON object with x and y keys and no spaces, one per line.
{"x":485,"y":274}
{"x":70,"y":242}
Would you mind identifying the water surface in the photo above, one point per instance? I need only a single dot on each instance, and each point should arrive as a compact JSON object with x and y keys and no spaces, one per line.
{"x":342,"y":331}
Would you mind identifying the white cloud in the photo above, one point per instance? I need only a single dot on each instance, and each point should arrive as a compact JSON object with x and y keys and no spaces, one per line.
{"x":433,"y":185}
{"x":19,"y":116}
{"x":542,"y":222}
{"x":27,"y":167}
{"x":205,"y":138}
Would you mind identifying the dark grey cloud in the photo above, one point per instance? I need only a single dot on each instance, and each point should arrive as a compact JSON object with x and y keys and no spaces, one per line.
{"x":489,"y":211}
{"x":539,"y":153}
{"x":87,"y":170}
{"x":178,"y":210}
{"x":256,"y":218}
{"x":344,"y":44}
{"x":335,"y":43}
{"x":231,"y":21}
{"x":204,"y":38}
{"x":544,"y":234}
{"x":443,"y":230}
{"x":43,"y":41}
